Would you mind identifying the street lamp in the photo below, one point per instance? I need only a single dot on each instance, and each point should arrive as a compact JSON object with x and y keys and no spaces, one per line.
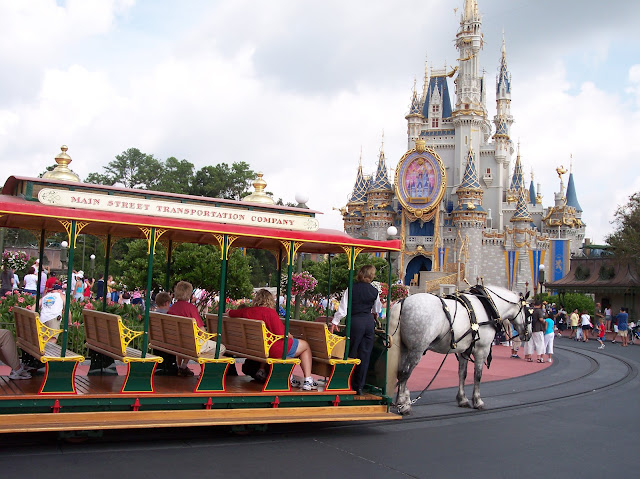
{"x":541,"y":277}
{"x":93,"y":264}
{"x":64,"y":254}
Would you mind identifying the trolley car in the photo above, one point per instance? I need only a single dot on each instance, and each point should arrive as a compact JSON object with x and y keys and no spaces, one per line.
{"x":63,"y":399}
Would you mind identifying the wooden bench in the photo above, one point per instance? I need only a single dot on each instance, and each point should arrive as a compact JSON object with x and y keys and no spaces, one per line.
{"x":250,"y":338}
{"x":327,"y":350}
{"x":182,"y":336}
{"x":106,"y":334}
{"x":33,"y":338}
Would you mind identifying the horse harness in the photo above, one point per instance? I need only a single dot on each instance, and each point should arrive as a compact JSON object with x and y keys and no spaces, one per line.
{"x":474,"y":330}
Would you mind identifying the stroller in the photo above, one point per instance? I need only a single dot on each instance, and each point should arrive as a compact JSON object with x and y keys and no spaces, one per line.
{"x":634,"y":332}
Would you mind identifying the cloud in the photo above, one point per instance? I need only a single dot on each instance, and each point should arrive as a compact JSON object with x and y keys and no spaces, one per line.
{"x":295,"y":89}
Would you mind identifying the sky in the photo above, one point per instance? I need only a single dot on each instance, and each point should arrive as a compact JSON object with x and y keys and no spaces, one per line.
{"x":298,"y":89}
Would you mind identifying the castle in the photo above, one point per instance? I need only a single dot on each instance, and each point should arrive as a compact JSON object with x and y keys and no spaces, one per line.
{"x":459,"y":206}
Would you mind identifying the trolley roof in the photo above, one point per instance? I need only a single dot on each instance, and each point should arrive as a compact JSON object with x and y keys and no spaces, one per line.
{"x":21,"y":208}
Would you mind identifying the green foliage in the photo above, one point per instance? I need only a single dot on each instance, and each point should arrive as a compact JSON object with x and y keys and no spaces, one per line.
{"x":626,"y":238}
{"x":340,"y":272}
{"x":571,"y":301}
{"x":132,"y":168}
{"x":222,"y":181}
{"x":177,"y":176}
{"x":263,"y":267}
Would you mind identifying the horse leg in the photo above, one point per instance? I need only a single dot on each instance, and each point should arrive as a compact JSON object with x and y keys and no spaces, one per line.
{"x":462,"y":375}
{"x":409,"y":361}
{"x":477,"y":377}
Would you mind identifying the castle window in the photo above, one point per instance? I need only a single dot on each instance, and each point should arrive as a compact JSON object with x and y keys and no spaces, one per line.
{"x":436,"y":108}
{"x":434,"y":123}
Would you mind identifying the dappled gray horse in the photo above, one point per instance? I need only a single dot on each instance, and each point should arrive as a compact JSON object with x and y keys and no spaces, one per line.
{"x":424,"y":325}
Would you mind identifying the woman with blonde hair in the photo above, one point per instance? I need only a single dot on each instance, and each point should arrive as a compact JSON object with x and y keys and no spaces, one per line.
{"x":263,"y":308}
{"x":365,"y":306}
{"x":183,"y":307}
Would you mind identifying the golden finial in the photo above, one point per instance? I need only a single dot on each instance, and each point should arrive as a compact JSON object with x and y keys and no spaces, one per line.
{"x":382,"y":145}
{"x":259,"y":196}
{"x":62,"y":171}
{"x":420,"y":145}
{"x":561,"y":170}
{"x":471,"y":206}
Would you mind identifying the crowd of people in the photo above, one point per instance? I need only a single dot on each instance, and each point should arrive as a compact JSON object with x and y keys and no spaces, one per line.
{"x":548,"y":322}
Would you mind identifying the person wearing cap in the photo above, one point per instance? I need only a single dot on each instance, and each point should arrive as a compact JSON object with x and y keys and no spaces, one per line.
{"x":51,"y":307}
{"x":78,"y":287}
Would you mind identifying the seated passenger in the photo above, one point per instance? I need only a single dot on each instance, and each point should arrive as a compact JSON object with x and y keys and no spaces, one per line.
{"x":51,"y":307}
{"x":163,"y":302}
{"x":9,"y":356}
{"x":182,"y":307}
{"x":263,"y":308}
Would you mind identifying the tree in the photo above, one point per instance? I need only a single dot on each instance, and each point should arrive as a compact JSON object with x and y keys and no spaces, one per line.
{"x":625,"y":240}
{"x":222,"y":181}
{"x":132,"y":168}
{"x":340,"y":271}
{"x":176,"y":176}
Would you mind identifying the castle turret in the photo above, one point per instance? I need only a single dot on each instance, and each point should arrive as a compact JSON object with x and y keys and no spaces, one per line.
{"x":379,"y":212}
{"x":503,"y":121}
{"x":414,"y":118}
{"x":353,"y":215}
{"x":469,"y":212}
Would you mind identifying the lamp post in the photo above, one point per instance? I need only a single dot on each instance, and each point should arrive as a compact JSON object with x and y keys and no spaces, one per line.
{"x":541,"y":277}
{"x":64,"y":254}
{"x":93,"y":264}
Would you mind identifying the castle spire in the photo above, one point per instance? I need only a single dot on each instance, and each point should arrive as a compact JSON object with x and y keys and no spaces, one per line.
{"x":381,"y":181}
{"x":522,"y":212}
{"x":517,"y":180}
{"x":415,"y":102}
{"x":470,"y":179}
{"x":572,"y":197}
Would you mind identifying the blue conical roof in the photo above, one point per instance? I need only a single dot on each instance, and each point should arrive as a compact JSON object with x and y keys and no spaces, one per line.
{"x":517,"y":180}
{"x":522,"y":212}
{"x":415,"y":103}
{"x":381,"y":181}
{"x":572,"y":197}
{"x":439,"y":83}
{"x":503,"y":74}
{"x":532,"y":193}
{"x":470,"y":178}
{"x":360,"y":188}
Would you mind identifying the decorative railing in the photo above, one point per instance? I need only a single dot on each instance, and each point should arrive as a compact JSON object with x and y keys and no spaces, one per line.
{"x":433,"y":285}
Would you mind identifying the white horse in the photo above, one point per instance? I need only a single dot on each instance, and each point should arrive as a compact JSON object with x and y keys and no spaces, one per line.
{"x":424,"y":325}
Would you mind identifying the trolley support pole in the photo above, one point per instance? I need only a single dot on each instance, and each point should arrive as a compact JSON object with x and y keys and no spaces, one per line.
{"x":147,"y":296}
{"x":328,"y":290}
{"x":386,"y":326}
{"x":224,"y":247}
{"x":288,"y":310}
{"x":167,"y":274}
{"x":279,"y":259}
{"x":70,"y":287}
{"x":107,"y":257}
{"x":352,"y":262}
{"x":40,"y":268}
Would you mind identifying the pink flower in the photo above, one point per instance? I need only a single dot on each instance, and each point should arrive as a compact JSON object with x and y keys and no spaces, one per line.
{"x":140,"y":317}
{"x":10,"y":308}
{"x":88,"y":306}
{"x":30,"y":307}
{"x":20,"y":299}
{"x":8,"y":293}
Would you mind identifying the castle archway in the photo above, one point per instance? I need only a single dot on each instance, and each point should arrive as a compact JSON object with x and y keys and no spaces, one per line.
{"x":417,"y":264}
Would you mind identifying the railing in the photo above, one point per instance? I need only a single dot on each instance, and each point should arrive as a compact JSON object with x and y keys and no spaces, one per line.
{"x":434,"y":284}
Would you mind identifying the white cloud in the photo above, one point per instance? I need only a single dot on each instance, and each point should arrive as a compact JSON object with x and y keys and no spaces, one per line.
{"x":295,"y":89}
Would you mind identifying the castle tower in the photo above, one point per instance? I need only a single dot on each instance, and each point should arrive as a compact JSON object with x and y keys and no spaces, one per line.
{"x":353,"y":216}
{"x":503,"y":121}
{"x":470,"y":114}
{"x":379,"y":213}
{"x":469,"y":217}
{"x":414,"y":118}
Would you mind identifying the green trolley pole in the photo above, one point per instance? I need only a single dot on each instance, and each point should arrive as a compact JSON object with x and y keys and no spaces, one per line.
{"x":328,"y":291}
{"x":352,"y":262}
{"x":107,"y":257}
{"x":40,"y":268}
{"x":70,"y":287}
{"x":147,"y":296}
{"x":167,"y":274}
{"x":223,"y":290}
{"x":288,"y":311}
{"x":278,"y":291}
{"x":386,"y":327}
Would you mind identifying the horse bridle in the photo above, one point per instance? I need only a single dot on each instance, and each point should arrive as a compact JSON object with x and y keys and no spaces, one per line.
{"x":527,"y":313}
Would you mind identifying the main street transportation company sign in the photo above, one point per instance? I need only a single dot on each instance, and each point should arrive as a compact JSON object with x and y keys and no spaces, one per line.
{"x":174,"y":209}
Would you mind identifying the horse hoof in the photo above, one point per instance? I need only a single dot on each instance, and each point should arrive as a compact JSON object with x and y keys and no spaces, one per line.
{"x":464,"y":404}
{"x":404,"y":410}
{"x":479,"y":407}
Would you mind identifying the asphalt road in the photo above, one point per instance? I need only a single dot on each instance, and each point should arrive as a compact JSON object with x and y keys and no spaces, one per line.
{"x":579,"y":418}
